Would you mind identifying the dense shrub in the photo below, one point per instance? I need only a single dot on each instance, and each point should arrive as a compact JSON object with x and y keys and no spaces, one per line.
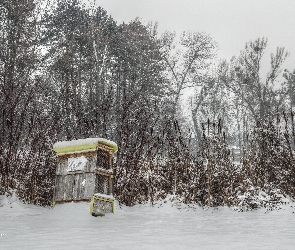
{"x":208,"y":177}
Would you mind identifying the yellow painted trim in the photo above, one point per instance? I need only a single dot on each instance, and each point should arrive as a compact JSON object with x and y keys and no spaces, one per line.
{"x":101,"y":199}
{"x":74,"y":148}
{"x":113,"y":146}
{"x":81,"y":147}
{"x":91,"y":205}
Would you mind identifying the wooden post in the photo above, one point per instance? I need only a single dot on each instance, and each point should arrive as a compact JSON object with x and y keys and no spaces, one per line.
{"x":111,"y":184}
{"x":111,"y":176}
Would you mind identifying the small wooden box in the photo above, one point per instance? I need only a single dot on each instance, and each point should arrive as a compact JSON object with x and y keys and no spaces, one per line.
{"x":101,"y":204}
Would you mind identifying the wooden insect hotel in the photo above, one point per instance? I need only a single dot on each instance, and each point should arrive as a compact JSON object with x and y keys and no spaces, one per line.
{"x":84,"y":172}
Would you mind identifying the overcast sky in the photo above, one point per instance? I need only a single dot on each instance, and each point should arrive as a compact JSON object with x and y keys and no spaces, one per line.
{"x":231,"y":23}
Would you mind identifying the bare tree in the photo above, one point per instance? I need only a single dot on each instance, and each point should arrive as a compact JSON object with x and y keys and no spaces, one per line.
{"x":186,"y":68}
{"x":18,"y":63}
{"x":243,"y":78}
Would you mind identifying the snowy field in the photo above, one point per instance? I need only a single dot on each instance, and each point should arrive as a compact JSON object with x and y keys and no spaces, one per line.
{"x":70,"y":226}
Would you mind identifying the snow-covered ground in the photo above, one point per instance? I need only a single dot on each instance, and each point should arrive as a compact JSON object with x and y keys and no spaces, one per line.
{"x":70,"y":226}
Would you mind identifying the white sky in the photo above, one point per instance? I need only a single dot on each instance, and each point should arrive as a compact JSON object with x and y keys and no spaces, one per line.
{"x":231,"y":23}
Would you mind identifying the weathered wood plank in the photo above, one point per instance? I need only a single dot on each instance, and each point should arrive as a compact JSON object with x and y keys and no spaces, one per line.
{"x":90,"y":166}
{"x":88,"y":173}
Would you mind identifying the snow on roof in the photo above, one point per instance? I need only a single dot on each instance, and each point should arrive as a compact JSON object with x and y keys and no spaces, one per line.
{"x":82,"y":145}
{"x":110,"y":197}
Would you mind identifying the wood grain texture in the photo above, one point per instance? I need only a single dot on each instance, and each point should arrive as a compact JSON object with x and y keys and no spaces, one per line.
{"x":81,"y":184}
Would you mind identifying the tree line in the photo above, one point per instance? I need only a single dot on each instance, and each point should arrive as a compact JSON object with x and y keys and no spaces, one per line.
{"x":70,"y":72}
